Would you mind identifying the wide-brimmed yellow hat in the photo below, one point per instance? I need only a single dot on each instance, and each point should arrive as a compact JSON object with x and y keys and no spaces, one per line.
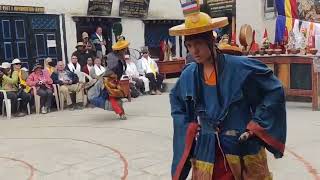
{"x":121,"y":44}
{"x":196,"y":22}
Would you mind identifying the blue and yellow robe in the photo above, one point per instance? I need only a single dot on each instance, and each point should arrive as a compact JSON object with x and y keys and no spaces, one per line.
{"x":248,"y":97}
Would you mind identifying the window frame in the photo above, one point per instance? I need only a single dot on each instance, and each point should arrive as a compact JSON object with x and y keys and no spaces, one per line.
{"x":269,"y":9}
{"x":3,"y":34}
{"x":24,"y":29}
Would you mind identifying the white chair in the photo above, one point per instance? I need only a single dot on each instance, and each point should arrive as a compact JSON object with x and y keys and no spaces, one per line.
{"x":85,"y":97}
{"x":37,"y":98}
{"x":6,"y":105}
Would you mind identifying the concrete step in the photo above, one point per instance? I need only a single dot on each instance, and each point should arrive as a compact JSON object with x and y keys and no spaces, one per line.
{"x":168,"y":84}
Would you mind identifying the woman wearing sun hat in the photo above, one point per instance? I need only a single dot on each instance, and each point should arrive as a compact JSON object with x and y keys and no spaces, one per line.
{"x":41,"y":79}
{"x":226,"y":109}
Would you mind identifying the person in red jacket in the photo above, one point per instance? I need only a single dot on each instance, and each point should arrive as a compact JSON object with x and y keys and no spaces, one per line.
{"x":88,"y":67}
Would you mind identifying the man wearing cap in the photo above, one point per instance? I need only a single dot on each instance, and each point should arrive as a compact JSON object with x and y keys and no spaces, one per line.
{"x":115,"y":59}
{"x":10,"y":83}
{"x":89,"y":46}
{"x":151,"y":71}
{"x":227,"y":110}
{"x":81,"y":54}
{"x":40,"y":79}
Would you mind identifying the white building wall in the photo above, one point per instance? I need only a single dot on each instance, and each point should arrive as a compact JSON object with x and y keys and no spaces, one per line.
{"x":133,"y":30}
{"x":247,"y":12}
{"x":251,"y":13}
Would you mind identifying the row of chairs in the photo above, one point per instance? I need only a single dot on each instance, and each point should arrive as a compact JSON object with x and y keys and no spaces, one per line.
{"x":59,"y":98}
{"x":6,"y":103}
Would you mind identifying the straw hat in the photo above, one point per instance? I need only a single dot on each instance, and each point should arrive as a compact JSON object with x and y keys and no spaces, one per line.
{"x":121,"y":44}
{"x":16,"y":61}
{"x":196,"y":22}
{"x":36,"y":66}
{"x":85,"y":35}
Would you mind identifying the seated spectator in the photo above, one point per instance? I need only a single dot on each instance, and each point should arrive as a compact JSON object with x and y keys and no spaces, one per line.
{"x":22,"y":75}
{"x":98,"y":70}
{"x":88,"y":67}
{"x":75,"y":67}
{"x":150,"y":68}
{"x":11,"y":84}
{"x":49,"y":65}
{"x":106,"y":93}
{"x":139,"y":81}
{"x":69,"y":83}
{"x":40,"y":79}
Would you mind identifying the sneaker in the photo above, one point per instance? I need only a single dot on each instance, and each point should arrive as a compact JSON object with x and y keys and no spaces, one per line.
{"x":20,"y":114}
{"x":153,"y":93}
{"x":79,"y":106}
{"x":71,"y":107}
{"x":44,"y":110}
{"x":158,"y":92}
{"x":123,"y":117}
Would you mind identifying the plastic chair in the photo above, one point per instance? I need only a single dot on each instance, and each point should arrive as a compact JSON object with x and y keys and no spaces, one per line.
{"x":6,"y":105}
{"x":37,"y":98}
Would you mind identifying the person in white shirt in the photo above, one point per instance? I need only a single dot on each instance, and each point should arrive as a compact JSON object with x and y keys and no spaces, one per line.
{"x":75,"y":67}
{"x":140,"y":81}
{"x":98,"y":70}
{"x":151,"y":71}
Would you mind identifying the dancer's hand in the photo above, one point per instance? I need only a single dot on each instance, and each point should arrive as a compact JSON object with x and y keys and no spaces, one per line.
{"x":245,"y":136}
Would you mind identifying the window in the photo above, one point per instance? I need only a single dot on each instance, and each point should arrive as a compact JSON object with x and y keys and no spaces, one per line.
{"x":6,"y":29}
{"x":20,"y":34}
{"x":40,"y":45}
{"x":269,"y":6}
{"x":51,"y":44}
{"x":22,"y":49}
{"x":8,"y":51}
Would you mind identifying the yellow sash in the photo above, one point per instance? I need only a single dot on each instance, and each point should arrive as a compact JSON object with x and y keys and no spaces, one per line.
{"x":23,"y":82}
{"x":153,"y":69}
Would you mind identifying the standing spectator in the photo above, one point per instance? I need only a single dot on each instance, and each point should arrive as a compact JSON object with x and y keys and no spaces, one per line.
{"x":98,"y":69}
{"x":40,"y":79}
{"x":49,"y":65}
{"x":88,"y":67}
{"x":69,"y":83}
{"x":10,"y":83}
{"x":150,"y":68}
{"x":81,"y":54}
{"x":141,"y":82}
{"x":115,"y":59}
{"x":89,"y":46}
{"x":99,"y":42}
